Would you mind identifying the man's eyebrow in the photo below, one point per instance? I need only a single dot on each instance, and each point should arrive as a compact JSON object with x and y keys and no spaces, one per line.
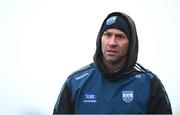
{"x":112,"y":32}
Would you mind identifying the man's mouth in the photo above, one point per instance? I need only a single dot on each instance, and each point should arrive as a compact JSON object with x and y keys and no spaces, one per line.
{"x":112,"y":52}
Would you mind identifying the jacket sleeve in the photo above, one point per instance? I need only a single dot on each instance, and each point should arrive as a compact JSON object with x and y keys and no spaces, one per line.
{"x":64,"y":104}
{"x":159,"y":101}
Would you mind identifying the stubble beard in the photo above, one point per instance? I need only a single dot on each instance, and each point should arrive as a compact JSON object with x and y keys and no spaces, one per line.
{"x":114,"y":64}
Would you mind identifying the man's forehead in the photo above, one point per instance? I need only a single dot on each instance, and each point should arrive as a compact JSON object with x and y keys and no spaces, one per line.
{"x":114,"y":30}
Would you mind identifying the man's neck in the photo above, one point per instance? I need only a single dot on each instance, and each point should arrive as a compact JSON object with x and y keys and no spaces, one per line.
{"x":114,"y":67}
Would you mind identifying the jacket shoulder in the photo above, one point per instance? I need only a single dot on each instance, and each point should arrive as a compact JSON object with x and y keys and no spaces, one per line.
{"x":82,"y":72}
{"x":141,"y":69}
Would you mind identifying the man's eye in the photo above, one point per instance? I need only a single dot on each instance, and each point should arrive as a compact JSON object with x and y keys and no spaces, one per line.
{"x":107,"y":34}
{"x":121,"y":36}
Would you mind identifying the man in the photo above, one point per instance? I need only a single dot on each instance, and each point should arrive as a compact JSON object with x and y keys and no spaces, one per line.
{"x":114,"y":83}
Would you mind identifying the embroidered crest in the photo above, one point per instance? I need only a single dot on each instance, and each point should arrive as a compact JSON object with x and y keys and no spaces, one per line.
{"x":127,"y":96}
{"x":111,"y":20}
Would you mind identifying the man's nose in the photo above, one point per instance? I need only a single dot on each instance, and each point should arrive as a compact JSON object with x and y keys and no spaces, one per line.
{"x":113,"y":41}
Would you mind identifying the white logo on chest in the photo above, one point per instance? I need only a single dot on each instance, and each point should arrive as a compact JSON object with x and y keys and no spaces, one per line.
{"x":89,"y":98}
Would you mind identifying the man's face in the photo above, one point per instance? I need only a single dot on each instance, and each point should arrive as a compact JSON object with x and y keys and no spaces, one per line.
{"x":114,"y":44}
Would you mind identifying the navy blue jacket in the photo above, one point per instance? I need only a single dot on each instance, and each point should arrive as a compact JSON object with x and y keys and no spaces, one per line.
{"x":87,"y":92}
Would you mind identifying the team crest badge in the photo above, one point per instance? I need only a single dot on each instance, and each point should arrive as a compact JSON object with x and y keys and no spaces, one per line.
{"x":127,"y":96}
{"x":111,"y":20}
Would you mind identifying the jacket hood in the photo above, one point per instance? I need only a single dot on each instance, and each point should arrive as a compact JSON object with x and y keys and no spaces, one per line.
{"x":131,"y":54}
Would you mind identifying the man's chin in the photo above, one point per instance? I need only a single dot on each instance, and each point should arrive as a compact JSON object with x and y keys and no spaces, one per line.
{"x":112,"y":61}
